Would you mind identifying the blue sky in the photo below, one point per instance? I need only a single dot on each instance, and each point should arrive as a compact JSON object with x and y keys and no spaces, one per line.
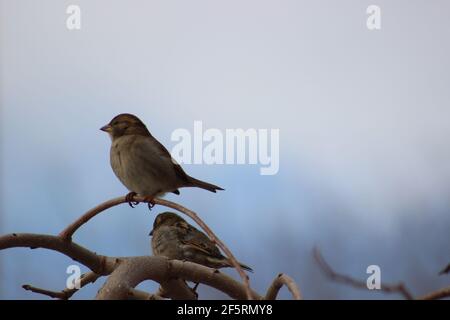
{"x":363,"y":119}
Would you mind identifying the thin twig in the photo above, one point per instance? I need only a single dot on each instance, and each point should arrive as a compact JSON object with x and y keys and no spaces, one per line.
{"x":389,"y":288}
{"x":278,"y":283}
{"x":67,"y":293}
{"x":445,"y":270}
{"x":68,"y":232}
{"x":51,"y":294}
{"x":214,"y":238}
{"x":72,"y":228}
{"x":439,"y":294}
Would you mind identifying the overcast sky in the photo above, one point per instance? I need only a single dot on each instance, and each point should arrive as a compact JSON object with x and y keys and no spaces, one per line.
{"x":363,"y":117}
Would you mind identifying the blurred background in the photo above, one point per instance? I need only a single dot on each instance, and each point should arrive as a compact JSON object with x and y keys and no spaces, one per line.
{"x":363,"y":115}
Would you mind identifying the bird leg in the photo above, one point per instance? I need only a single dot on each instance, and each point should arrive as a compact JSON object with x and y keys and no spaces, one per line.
{"x":130,"y":199}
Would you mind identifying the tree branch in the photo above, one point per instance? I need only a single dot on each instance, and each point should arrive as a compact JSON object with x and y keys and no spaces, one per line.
{"x":445,"y":270}
{"x":51,"y":294}
{"x":439,"y":294}
{"x":65,"y":294}
{"x":99,"y":264}
{"x":125,"y":273}
{"x":68,"y":232}
{"x":168,"y":273}
{"x":330,"y":273}
{"x":214,"y":238}
{"x":278,"y":283}
{"x":72,"y":228}
{"x":135,"y":294}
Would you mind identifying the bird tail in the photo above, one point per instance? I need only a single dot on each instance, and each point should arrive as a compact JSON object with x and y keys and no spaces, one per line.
{"x":243,"y":266}
{"x":204,"y":185}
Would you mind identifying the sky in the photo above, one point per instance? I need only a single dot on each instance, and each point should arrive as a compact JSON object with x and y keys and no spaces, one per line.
{"x":363,"y":119}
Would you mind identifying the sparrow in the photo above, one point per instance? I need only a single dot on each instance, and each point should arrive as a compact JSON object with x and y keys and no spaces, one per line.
{"x":143,"y":164}
{"x":174,"y":238}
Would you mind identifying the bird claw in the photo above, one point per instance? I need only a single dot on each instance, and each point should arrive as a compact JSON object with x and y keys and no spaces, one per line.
{"x":150,"y":202}
{"x":194,"y":289}
{"x":130,"y":199}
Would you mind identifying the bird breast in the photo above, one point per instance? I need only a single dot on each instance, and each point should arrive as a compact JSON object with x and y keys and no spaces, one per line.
{"x":166,"y":242}
{"x":138,"y":164}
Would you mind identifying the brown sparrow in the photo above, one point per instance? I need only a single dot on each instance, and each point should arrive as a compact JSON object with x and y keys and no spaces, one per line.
{"x":174,"y":238}
{"x":142,"y":163}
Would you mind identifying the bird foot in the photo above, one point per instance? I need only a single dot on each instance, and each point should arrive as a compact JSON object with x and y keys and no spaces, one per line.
{"x":150,"y":202}
{"x":194,"y":289}
{"x":130,"y":199}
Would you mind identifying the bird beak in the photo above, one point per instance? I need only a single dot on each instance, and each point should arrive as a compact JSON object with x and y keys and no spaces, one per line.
{"x":151,"y":233}
{"x":106,"y":128}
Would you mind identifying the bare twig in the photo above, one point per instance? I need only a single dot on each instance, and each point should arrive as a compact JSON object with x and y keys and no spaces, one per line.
{"x":65,"y":294}
{"x":71,"y":229}
{"x":438,"y":294}
{"x":278,"y":283}
{"x":389,"y":288}
{"x":445,"y":270}
{"x":214,"y":238}
{"x":51,"y":294}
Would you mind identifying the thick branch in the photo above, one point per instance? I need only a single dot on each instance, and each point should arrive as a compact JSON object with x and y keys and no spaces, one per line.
{"x":133,"y":271}
{"x":278,"y":283}
{"x":99,"y":264}
{"x":135,"y":294}
{"x":69,"y":231}
{"x":176,"y":289}
{"x":128,"y":271}
{"x":389,"y":288}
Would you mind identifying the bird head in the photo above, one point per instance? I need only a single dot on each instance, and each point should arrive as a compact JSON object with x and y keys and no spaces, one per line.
{"x":125,"y":124}
{"x":166,"y":219}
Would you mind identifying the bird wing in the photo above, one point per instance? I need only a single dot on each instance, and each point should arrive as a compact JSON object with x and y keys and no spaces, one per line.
{"x":163,"y":152}
{"x":197,"y":240}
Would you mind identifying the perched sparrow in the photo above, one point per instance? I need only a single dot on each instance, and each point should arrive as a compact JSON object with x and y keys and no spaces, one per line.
{"x":174,"y":238}
{"x":143,"y":164}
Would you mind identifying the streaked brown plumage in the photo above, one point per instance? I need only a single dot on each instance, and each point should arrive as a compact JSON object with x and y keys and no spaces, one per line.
{"x":142,"y":163}
{"x":174,"y":238}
